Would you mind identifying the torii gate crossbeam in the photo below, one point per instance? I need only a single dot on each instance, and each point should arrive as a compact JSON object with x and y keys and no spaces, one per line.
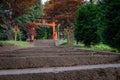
{"x":35,"y":25}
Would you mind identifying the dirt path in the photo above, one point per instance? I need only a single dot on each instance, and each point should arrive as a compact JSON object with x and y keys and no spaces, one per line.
{"x":56,"y":69}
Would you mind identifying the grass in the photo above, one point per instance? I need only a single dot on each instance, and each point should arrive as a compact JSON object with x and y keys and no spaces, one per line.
{"x":18,"y":43}
{"x":62,"y":42}
{"x":102,"y":47}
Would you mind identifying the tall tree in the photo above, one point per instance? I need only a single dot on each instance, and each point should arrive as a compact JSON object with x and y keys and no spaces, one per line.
{"x":62,"y":10}
{"x":10,"y":9}
{"x":112,"y":32}
{"x":89,"y":24}
{"x":32,"y":15}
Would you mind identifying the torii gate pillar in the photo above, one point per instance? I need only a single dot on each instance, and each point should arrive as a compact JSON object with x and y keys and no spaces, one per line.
{"x":54,"y":36}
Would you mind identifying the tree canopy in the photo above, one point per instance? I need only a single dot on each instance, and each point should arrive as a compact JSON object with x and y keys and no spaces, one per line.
{"x":99,"y":22}
{"x":112,"y":32}
{"x":62,"y":10}
{"x":10,"y":10}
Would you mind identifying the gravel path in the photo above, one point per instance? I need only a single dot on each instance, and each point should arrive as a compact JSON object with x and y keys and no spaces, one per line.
{"x":56,"y":69}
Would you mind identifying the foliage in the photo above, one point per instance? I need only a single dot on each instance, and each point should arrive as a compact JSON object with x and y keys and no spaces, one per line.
{"x":12,"y":9}
{"x":112,"y":32}
{"x":103,"y":47}
{"x":89,"y":24}
{"x":62,"y":10}
{"x":106,"y":18}
{"x":33,"y":14}
{"x":18,"y":7}
{"x":3,"y":35}
{"x":44,"y":33}
{"x":3,"y":26}
{"x":20,"y":35}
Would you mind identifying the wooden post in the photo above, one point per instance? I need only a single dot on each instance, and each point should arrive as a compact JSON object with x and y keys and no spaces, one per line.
{"x":15,"y":38}
{"x":16,"y":30}
{"x":68,"y":36}
{"x":68,"y":31}
{"x":32,"y":34}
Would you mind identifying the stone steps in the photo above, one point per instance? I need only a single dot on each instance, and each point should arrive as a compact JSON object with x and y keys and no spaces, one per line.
{"x":91,"y":72}
{"x":44,"y":43}
{"x":45,"y":61}
{"x":53,"y":61}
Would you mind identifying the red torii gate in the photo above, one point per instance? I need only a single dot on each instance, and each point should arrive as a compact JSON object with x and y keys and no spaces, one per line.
{"x":33,"y":25}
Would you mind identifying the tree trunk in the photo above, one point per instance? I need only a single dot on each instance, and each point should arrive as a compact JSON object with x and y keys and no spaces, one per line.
{"x":87,"y":44}
{"x":9,"y":30}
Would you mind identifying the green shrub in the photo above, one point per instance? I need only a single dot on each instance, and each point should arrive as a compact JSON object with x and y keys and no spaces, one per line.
{"x":89,"y":25}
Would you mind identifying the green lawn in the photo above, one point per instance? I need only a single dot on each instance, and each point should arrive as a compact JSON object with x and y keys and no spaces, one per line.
{"x":23,"y":44}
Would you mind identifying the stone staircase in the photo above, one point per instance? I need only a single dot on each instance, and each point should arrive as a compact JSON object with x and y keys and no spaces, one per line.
{"x":44,"y":43}
{"x":45,"y":61}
